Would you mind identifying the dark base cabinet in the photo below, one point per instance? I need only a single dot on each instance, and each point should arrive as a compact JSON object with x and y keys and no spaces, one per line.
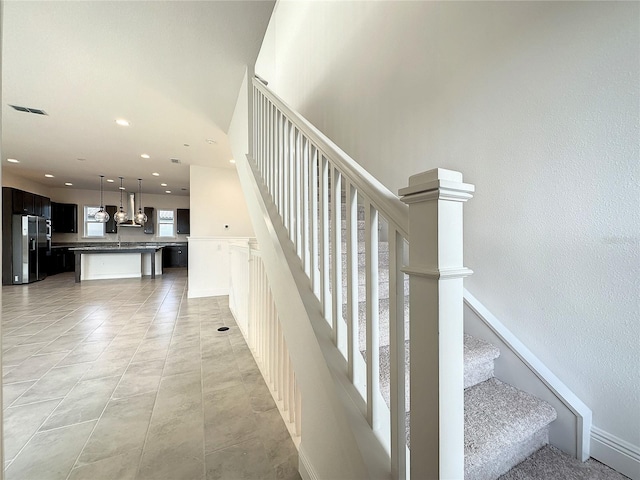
{"x":61,"y":260}
{"x":174,"y":256}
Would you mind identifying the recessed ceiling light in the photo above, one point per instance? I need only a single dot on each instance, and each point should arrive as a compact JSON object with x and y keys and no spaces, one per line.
{"x":12,"y":160}
{"x":163,"y":184}
{"x":167,"y":191}
{"x":68,"y":184}
{"x":211,"y":141}
{"x":155,"y":174}
{"x":122,"y":122}
{"x":121,"y":188}
{"x":48,"y":175}
{"x":144,"y":155}
{"x":110,"y":180}
{"x":232,"y":161}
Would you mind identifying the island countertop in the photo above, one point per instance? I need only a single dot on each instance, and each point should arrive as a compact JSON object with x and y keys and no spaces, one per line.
{"x":115,"y":249}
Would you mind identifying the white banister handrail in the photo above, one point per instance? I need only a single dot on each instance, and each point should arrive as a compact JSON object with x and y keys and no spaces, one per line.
{"x":380,"y":196}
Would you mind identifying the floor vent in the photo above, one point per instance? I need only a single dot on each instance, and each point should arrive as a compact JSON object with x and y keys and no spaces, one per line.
{"x":37,"y":111}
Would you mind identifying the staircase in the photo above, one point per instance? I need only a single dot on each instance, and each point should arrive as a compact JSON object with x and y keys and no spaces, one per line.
{"x":503,"y":425}
{"x":291,"y":174}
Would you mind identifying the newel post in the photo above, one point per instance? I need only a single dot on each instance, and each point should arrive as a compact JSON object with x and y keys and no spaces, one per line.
{"x":436,"y":272}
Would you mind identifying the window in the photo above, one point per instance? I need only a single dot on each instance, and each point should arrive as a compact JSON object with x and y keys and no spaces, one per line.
{"x":91,"y":227}
{"x":166,"y":223}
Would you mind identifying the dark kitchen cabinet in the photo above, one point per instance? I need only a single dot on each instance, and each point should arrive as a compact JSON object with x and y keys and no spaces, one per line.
{"x":27,"y":203}
{"x":150,"y":223}
{"x":175,"y":256}
{"x":46,"y":208}
{"x":23,"y":202}
{"x":61,"y":260}
{"x":183,"y":220}
{"x":64,"y":217}
{"x":110,"y":226}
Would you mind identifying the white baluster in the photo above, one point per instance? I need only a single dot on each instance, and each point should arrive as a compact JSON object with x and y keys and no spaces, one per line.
{"x":324,"y":238}
{"x":372,"y":324}
{"x":315,"y":280}
{"x":336,"y":259}
{"x":397,"y":366}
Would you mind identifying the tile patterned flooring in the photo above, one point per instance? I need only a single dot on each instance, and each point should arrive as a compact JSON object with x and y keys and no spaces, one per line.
{"x":129,"y":379}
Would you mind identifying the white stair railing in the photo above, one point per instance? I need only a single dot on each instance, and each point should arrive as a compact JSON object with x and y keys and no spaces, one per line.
{"x":252,"y":305}
{"x":313,"y":184}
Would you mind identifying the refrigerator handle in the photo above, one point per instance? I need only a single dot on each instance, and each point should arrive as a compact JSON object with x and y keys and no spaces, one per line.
{"x":33,"y":244}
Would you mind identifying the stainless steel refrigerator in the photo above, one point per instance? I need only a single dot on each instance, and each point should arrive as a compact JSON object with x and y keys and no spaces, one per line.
{"x":31,"y":242}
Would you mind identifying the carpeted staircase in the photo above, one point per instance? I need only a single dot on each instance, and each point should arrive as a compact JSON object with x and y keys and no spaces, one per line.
{"x":503,"y":425}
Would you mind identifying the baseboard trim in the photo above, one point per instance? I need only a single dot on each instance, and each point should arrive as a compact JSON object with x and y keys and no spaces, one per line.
{"x":305,"y":467}
{"x":615,"y":452}
{"x":207,"y":292}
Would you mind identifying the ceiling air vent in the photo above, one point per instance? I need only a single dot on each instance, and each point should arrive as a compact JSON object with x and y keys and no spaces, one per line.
{"x":37,"y":111}
{"x":176,"y":161}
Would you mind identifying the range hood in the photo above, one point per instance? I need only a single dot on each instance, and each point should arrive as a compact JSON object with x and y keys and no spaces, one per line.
{"x":131,"y":211}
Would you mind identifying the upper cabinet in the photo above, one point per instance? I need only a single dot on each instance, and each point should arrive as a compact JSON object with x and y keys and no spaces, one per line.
{"x":27,"y":203}
{"x":110,"y":226}
{"x":183,"y":221}
{"x":149,"y":224}
{"x":64,"y":217}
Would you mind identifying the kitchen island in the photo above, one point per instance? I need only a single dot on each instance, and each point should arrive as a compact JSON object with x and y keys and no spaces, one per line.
{"x":102,"y":262}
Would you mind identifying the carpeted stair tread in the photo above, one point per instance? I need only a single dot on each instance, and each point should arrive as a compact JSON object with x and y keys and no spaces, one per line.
{"x":474,"y":349}
{"x":478,"y":360}
{"x":549,"y":463}
{"x":498,"y":416}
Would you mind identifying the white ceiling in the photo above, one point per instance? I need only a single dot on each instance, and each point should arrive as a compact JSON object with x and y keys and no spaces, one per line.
{"x":173,"y":69}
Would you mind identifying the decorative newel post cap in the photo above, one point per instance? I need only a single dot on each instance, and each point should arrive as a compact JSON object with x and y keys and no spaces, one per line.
{"x":438,"y":179}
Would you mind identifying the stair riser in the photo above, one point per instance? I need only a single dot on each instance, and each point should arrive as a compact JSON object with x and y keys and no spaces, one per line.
{"x":509,"y":458}
{"x":478,"y":374}
{"x":383,"y":290}
{"x":383,"y":315}
{"x":383,"y":259}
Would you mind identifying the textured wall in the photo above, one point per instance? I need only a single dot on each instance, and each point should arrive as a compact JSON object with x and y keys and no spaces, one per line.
{"x":537,"y":104}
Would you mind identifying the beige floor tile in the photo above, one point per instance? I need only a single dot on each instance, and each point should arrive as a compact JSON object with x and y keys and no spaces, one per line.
{"x":85,"y":401}
{"x":18,"y":354}
{"x":229,"y":418}
{"x":56,"y":383}
{"x":64,"y":343}
{"x":21,"y":423}
{"x":140,"y":378}
{"x":122,"y":428}
{"x":246,"y":460}
{"x":120,"y":467}
{"x":161,"y":385}
{"x":11,"y":391}
{"x":50,"y":455}
{"x":33,"y":368}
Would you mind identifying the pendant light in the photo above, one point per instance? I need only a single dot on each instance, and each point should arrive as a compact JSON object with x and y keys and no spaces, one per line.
{"x":140,"y":217}
{"x":101,"y":216}
{"x":121,"y":215}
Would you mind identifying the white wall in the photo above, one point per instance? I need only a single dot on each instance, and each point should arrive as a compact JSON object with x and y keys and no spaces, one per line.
{"x":127,"y":234}
{"x":537,"y":104}
{"x":10,"y":179}
{"x":216,"y":198}
{"x":216,"y":201}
